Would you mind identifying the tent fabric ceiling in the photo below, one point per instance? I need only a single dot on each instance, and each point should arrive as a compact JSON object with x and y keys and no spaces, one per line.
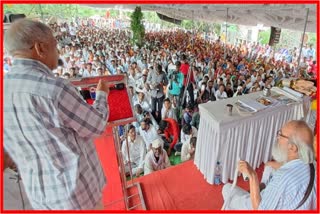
{"x":288,"y":16}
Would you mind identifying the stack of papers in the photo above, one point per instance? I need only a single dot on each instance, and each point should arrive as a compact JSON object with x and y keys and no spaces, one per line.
{"x":253,"y":104}
{"x":284,"y":97}
{"x":293,"y":92}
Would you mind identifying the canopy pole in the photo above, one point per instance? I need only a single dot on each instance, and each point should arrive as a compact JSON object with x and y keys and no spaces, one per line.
{"x":225,"y":44}
{"x":304,"y":31}
{"x":193,"y":33}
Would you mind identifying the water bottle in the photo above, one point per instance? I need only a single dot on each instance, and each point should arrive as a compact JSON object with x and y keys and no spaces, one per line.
{"x":217,"y":174}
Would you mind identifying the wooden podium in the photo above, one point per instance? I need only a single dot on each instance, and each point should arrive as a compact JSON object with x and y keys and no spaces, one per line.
{"x":120,"y":113}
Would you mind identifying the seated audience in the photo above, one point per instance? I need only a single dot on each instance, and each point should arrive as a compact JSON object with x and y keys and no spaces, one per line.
{"x":170,"y":129}
{"x":156,"y":158}
{"x":136,"y":154}
{"x":167,"y":111}
{"x":148,"y":132}
{"x":188,"y":149}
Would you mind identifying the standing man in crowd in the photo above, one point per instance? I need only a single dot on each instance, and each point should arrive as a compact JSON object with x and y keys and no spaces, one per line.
{"x":156,"y":80}
{"x":176,"y":83}
{"x":184,"y":68}
{"x":48,"y":128}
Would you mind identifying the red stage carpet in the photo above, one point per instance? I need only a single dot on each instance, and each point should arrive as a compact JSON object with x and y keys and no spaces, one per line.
{"x":183,"y":187}
{"x":180,"y":187}
{"x":113,"y":191}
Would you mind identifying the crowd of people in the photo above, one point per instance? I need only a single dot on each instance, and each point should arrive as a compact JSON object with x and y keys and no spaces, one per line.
{"x":172,"y":74}
{"x":168,"y":78}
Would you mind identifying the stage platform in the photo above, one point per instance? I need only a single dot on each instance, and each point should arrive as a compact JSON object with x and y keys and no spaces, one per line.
{"x":180,"y":187}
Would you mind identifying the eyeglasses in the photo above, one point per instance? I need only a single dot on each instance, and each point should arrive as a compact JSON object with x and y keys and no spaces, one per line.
{"x":279,"y":134}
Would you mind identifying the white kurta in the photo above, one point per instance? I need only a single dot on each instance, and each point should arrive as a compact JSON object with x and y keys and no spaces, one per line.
{"x":185,"y":155}
{"x":137,"y":152}
{"x":151,"y":165}
{"x":186,"y":138}
{"x":149,"y":136}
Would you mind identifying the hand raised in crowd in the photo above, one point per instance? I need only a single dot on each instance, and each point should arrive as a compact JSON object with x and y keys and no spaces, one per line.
{"x":103,"y":86}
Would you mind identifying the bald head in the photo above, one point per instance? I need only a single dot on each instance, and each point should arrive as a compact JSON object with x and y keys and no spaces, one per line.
{"x":34,"y":40}
{"x":300,"y":141}
{"x":300,"y":129}
{"x":23,"y":33}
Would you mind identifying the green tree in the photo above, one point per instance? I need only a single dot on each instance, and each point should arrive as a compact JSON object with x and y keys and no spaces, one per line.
{"x":264,"y":36}
{"x":187,"y":24}
{"x":137,"y":27}
{"x":312,"y":38}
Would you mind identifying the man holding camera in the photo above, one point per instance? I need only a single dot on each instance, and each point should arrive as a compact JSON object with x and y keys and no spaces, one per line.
{"x":175,"y":84}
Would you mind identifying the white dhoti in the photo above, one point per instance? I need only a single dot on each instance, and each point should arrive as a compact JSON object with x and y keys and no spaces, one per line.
{"x":238,"y":199}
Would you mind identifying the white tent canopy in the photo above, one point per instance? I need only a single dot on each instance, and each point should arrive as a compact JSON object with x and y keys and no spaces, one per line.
{"x":288,"y":16}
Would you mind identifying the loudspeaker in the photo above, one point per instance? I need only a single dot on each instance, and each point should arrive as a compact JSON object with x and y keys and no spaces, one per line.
{"x":274,"y":36}
{"x":9,"y":18}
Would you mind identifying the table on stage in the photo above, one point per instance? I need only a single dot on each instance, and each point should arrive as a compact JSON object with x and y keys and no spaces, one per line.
{"x":226,"y":138}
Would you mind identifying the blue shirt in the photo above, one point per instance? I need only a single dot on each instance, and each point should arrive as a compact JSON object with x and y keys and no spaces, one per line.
{"x":287,"y":188}
{"x":175,"y":88}
{"x":48,"y":132}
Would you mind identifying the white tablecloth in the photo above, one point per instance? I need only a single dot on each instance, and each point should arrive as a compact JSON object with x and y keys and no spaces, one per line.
{"x":226,"y":138}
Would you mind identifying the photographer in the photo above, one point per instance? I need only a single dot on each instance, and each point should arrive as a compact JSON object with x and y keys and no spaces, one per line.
{"x":189,"y":98}
{"x":175,"y":84}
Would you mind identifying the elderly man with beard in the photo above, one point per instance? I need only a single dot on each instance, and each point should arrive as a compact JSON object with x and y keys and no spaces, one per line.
{"x":286,"y":188}
{"x":156,"y":158}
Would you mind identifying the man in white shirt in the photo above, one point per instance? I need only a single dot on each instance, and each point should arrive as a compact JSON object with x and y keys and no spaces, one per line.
{"x":220,"y":93}
{"x":167,"y":111}
{"x":143,"y":102}
{"x":188,"y":149}
{"x":156,"y":158}
{"x":148,"y":133}
{"x":187,"y":132}
{"x":137,"y":152}
{"x":89,"y":72}
{"x":171,"y":66}
{"x":254,"y":76}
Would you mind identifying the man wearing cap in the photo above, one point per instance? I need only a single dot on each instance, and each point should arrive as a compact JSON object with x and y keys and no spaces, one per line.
{"x":156,"y":158}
